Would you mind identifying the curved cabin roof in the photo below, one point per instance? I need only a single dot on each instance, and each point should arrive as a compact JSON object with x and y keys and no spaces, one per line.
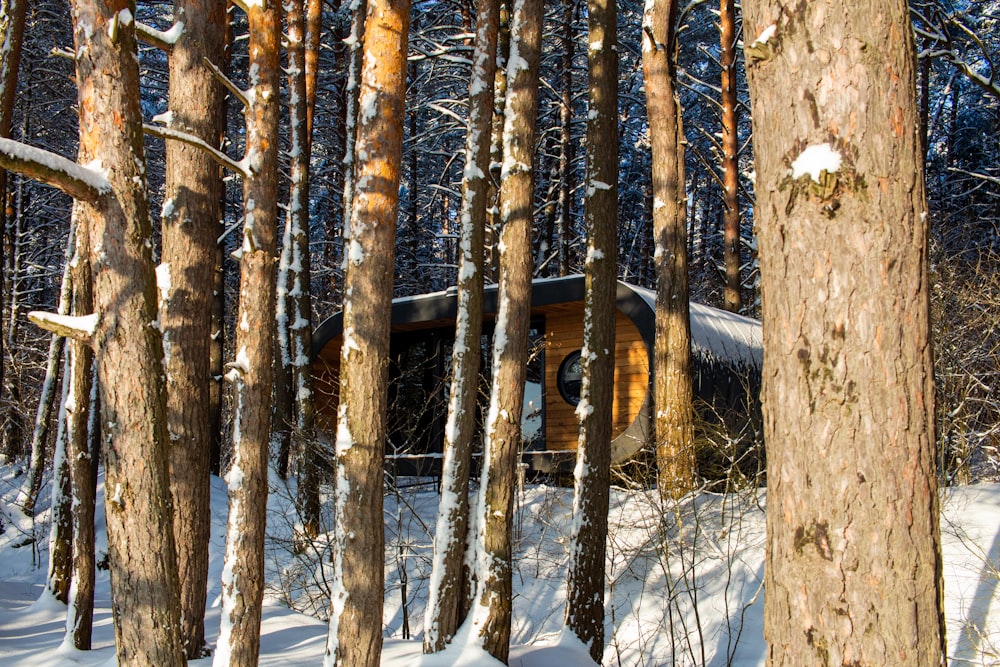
{"x":716,"y":335}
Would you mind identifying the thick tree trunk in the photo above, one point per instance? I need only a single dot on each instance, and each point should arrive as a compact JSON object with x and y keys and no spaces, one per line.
{"x":355,"y":632}
{"x":672,"y":385}
{"x":852,"y":504}
{"x":592,"y":477}
{"x":128,"y":344}
{"x":733,"y":300}
{"x":252,"y":372}
{"x":491,"y":613}
{"x":443,"y":605}
{"x":60,"y":572}
{"x":191,"y":215}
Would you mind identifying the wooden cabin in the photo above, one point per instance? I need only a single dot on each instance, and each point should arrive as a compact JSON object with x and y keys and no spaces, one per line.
{"x":727,"y":354}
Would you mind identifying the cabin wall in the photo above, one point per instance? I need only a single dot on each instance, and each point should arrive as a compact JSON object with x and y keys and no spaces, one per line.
{"x":564,"y":335}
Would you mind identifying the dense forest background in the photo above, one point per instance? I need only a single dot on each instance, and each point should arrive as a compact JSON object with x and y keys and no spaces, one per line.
{"x":959,"y":97}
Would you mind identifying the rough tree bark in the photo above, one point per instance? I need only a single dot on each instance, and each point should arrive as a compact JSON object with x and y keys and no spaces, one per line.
{"x":672,"y":385}
{"x":190,"y":227}
{"x":128,"y":345}
{"x":592,"y":477}
{"x":852,"y":506}
{"x":355,"y":632}
{"x":443,"y":604}
{"x":252,"y":371}
{"x":491,"y":613}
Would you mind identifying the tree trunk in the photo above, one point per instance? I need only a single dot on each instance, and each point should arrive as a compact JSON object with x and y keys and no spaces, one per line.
{"x":252,"y":372}
{"x":40,"y":433}
{"x":733,"y":299}
{"x":60,"y":572}
{"x":191,"y":216}
{"x":12,"y":15}
{"x":672,"y":386}
{"x":443,"y":604}
{"x":491,"y":613}
{"x":83,"y":455}
{"x":592,"y":477}
{"x":852,"y":504}
{"x":566,"y":147}
{"x":128,"y":346}
{"x":298,"y":304}
{"x":355,"y":632}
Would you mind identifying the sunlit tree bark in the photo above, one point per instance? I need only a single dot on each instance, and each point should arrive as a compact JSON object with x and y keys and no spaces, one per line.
{"x":592,"y":477}
{"x":252,"y":371}
{"x":443,"y":605}
{"x":190,"y":229}
{"x":672,"y":385}
{"x":355,"y":634}
{"x":852,"y":497}
{"x":491,"y":612}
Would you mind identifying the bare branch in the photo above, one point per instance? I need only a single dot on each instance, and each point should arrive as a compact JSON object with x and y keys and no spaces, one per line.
{"x":80,"y":182}
{"x":217,"y":155}
{"x":78,"y":327}
{"x":227,"y":83}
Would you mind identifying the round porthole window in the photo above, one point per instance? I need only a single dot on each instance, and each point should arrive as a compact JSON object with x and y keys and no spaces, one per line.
{"x":569,"y":378}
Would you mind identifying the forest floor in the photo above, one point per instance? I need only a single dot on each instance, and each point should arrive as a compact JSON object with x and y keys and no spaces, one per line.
{"x":702,"y":606}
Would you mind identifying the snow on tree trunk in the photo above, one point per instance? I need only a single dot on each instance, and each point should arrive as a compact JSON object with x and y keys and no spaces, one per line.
{"x":298,"y":304}
{"x":852,"y":502}
{"x":190,"y":228}
{"x":491,"y":612}
{"x":12,"y":16}
{"x":592,"y":477}
{"x":252,"y":371}
{"x":83,"y":457}
{"x":672,"y":385}
{"x":128,"y":342}
{"x":57,"y":581}
{"x":355,"y":633}
{"x":40,"y":434}
{"x":445,"y":590}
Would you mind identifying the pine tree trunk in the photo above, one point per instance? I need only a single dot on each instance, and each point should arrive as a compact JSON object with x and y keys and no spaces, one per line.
{"x":83,"y":455}
{"x":355,"y":632}
{"x":40,"y":433}
{"x":442,"y":618}
{"x":12,"y":15}
{"x":566,"y":147}
{"x":60,"y":571}
{"x":298,"y":303}
{"x":592,"y":477}
{"x":252,"y":372}
{"x":191,"y":215}
{"x":128,"y":347}
{"x":672,"y":385}
{"x":852,"y":506}
{"x":491,"y":613}
{"x":733,"y":299}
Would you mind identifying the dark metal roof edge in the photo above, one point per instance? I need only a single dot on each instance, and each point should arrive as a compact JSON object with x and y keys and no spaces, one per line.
{"x":544,"y":292}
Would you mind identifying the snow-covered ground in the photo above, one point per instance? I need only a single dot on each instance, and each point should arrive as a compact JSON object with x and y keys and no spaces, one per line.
{"x":702,"y":606}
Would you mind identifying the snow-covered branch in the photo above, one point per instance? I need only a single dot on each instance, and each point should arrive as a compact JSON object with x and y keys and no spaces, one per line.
{"x":81,"y":182}
{"x":163,"y":40}
{"x":227,"y":83}
{"x":187,"y":138}
{"x":79,"y":327}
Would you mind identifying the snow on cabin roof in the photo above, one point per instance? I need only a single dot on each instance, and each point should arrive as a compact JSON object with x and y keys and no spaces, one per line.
{"x":719,"y":334}
{"x":716,"y":335}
